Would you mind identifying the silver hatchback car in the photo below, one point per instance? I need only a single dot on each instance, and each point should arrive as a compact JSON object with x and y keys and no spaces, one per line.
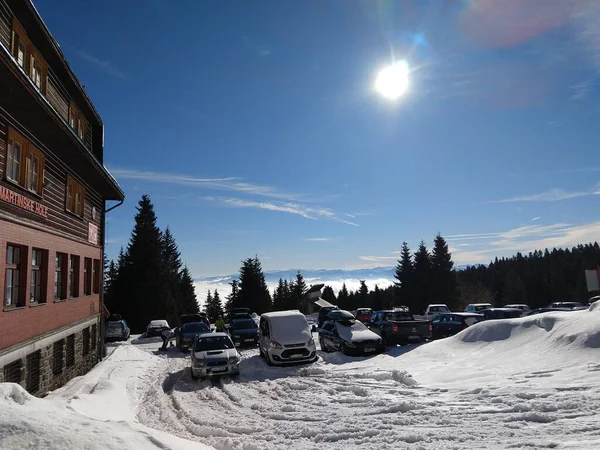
{"x":214,"y":354}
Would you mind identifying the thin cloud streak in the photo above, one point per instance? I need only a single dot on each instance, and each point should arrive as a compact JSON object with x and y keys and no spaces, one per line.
{"x":378,"y":258}
{"x":535,"y":219}
{"x":105,"y":66}
{"x":226,"y":184}
{"x":553,"y":195}
{"x":317,"y":239}
{"x":291,"y":208}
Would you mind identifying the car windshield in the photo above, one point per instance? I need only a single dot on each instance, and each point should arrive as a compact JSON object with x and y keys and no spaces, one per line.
{"x":244,"y":325}
{"x":438,"y":309}
{"x":472,"y":320}
{"x":398,"y":316}
{"x":114,"y":326}
{"x":196,"y":327}
{"x":482,"y":307}
{"x":213,"y":343}
{"x":364,"y":311}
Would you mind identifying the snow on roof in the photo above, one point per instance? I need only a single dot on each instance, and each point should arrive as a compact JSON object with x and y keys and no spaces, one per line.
{"x":158,"y":323}
{"x":323,"y":303}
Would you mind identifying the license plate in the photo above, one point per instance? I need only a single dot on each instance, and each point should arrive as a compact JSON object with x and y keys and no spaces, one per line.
{"x":248,"y":340}
{"x":369,"y":349}
{"x":413,"y":337}
{"x":237,"y":344}
{"x":297,"y":355}
{"x":220,"y":369}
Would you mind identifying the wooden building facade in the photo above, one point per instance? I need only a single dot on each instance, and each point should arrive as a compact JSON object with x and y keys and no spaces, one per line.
{"x":53,"y":191}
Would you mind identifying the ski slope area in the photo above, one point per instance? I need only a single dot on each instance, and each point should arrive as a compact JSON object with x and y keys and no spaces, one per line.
{"x":523,"y":383}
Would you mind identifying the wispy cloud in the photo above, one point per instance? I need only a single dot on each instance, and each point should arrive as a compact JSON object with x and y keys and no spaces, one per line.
{"x":227,"y":183}
{"x":379,"y":259}
{"x":552,"y":195}
{"x":259,"y":50}
{"x":318,"y":239}
{"x":580,"y":91}
{"x":105,"y":66}
{"x":535,"y":219}
{"x":308,"y":212}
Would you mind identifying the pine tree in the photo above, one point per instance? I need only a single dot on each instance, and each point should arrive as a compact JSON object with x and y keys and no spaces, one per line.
{"x":405,"y":276}
{"x":377,"y":299}
{"x":298,"y":290}
{"x":443,"y":283}
{"x":423,"y":279}
{"x":111,"y":275}
{"x":218,"y":306}
{"x":279,"y":297}
{"x":329,"y":295}
{"x":233,"y":299}
{"x":254,"y":293}
{"x":362,"y":297}
{"x":141,"y":290}
{"x":209,"y":307}
{"x":172,"y":273}
{"x":188,"y":303}
{"x":343,"y":297}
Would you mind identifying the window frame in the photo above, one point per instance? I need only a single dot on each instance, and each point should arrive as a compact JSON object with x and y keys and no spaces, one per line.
{"x":96,"y":276}
{"x":87,"y":276}
{"x":77,"y":122}
{"x":21,"y":176}
{"x":74,"y":269}
{"x":18,"y":300}
{"x":74,"y":191}
{"x":38,"y":271}
{"x":60,"y":277}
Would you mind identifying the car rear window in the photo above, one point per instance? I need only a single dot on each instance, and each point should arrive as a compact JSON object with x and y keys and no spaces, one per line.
{"x":398,"y":316}
{"x":472,"y":320}
{"x":196,"y":327}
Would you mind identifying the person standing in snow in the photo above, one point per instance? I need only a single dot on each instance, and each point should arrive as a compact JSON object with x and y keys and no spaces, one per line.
{"x":220,"y":325}
{"x":166,"y":335}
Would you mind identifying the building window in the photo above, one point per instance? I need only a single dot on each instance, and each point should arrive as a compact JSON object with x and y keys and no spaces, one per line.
{"x":24,"y":163}
{"x":13,"y":372}
{"x":32,"y":381}
{"x":38,"y":72}
{"x":77,"y":122}
{"x":60,"y":272}
{"x":57,"y":357}
{"x":75,"y":197}
{"x":85,"y":334}
{"x":94,"y":336}
{"x":74,"y":276}
{"x":12,"y":294}
{"x":70,"y":350}
{"x":87,"y":276}
{"x":37,"y":292}
{"x":96,"y":276}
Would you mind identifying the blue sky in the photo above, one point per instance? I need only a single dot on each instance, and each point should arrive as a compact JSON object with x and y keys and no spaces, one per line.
{"x":255,"y":127}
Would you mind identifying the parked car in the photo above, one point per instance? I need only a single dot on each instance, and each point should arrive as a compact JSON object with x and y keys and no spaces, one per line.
{"x":449,"y":324}
{"x":363,"y":314}
{"x":156,"y":327}
{"x":285,"y":336}
{"x":348,"y":335}
{"x":214,"y":354}
{"x":399,"y":327}
{"x":543,"y":310}
{"x":244,"y":332}
{"x":593,"y":299}
{"x":432,"y":311}
{"x":523,"y":307}
{"x":239,"y":313}
{"x":323,"y":312}
{"x":566,"y":305}
{"x":477,"y":307}
{"x":186,"y":333}
{"x":116,"y":330}
{"x":196,"y":317}
{"x":501,"y":313}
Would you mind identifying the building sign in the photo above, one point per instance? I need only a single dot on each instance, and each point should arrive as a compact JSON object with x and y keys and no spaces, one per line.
{"x":92,"y":233}
{"x":23,"y":202}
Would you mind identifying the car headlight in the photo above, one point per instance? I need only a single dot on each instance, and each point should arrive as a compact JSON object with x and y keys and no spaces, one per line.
{"x":199,"y":363}
{"x":234,"y":360}
{"x":276,"y":345}
{"x":311,"y":342}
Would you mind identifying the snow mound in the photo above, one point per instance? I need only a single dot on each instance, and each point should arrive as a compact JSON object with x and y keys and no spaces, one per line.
{"x":552,"y":330}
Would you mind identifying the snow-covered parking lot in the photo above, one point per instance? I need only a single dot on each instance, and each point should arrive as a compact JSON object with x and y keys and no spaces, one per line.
{"x":521,"y":383}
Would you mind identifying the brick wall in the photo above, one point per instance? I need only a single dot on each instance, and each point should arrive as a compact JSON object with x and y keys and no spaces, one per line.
{"x":21,"y":324}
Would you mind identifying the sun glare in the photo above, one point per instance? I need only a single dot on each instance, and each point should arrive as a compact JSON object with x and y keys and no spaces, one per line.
{"x":392,"y":81}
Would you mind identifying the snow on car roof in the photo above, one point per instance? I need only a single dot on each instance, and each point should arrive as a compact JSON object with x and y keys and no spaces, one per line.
{"x":158,"y":323}
{"x":211,"y":334}
{"x":290,"y":313}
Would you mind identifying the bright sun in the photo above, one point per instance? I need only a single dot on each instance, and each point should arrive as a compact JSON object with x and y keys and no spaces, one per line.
{"x":392,"y":81}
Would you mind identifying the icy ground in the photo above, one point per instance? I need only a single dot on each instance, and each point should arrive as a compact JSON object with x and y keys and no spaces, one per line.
{"x":523,"y":383}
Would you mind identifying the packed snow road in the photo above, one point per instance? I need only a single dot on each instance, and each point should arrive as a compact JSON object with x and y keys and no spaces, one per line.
{"x":481,"y":391}
{"x":522,"y":383}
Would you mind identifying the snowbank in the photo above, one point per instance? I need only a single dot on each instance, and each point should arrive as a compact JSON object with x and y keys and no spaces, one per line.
{"x":97,"y":411}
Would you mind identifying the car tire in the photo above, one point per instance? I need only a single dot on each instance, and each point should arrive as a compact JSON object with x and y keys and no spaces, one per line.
{"x":343,"y":348}
{"x":268,"y":358}
{"x":194,"y":377}
{"x":260,"y":351}
{"x":323,"y":346}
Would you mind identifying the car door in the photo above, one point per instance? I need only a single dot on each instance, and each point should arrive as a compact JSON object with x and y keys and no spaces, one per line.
{"x":328,"y":335}
{"x":265,"y":334}
{"x":435,"y":327}
{"x":376,"y":322}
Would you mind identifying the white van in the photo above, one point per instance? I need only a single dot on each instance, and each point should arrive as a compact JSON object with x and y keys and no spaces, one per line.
{"x":285,"y":336}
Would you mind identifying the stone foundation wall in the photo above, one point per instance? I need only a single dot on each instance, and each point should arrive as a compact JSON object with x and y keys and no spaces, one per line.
{"x":45,"y":379}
